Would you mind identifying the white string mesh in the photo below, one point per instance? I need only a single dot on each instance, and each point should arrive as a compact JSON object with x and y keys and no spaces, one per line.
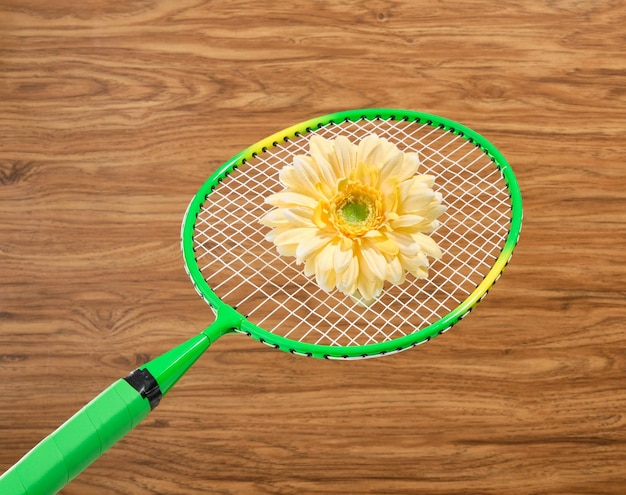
{"x":246,"y":272}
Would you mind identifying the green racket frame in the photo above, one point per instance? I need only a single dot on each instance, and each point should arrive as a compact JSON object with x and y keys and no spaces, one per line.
{"x":66,"y":452}
{"x":238,"y":323}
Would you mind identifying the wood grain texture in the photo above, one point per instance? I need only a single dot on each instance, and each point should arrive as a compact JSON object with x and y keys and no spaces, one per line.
{"x":113,"y":113}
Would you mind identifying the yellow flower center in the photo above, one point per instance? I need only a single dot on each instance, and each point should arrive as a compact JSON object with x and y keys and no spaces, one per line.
{"x":356,"y":209}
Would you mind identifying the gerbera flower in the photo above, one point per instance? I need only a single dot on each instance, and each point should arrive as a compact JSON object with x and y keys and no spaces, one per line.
{"x":355,"y":215}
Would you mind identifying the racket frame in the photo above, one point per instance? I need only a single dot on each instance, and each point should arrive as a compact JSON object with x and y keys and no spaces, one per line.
{"x":229,"y":320}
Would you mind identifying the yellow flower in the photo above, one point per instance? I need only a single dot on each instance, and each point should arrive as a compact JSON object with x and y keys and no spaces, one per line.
{"x":355,"y":215}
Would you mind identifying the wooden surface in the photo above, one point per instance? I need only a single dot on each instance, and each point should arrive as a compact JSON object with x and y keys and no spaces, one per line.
{"x":113,"y":113}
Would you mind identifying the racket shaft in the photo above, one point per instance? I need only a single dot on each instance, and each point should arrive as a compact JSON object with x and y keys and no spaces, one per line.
{"x":66,"y":452}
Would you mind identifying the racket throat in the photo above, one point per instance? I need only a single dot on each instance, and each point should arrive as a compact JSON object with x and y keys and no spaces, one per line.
{"x":168,"y":368}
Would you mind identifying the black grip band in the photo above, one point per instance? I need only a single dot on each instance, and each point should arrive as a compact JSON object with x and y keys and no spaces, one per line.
{"x":144,"y":383}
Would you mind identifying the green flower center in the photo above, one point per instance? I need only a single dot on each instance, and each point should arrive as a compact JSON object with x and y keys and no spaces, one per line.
{"x":356,"y":209}
{"x":356,"y":212}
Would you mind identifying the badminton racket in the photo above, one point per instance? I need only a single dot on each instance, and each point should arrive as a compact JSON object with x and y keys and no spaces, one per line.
{"x":255,"y":291}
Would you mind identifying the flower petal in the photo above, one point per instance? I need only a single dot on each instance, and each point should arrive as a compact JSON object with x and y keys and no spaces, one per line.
{"x":320,"y":215}
{"x":315,"y":242}
{"x":414,"y":195}
{"x":325,"y":258}
{"x":287,"y":249}
{"x":374,"y":150}
{"x":406,"y":221}
{"x":293,"y":236}
{"x":395,"y":272}
{"x":391,"y":168}
{"x":323,"y":153}
{"x":345,"y":153}
{"x":416,"y":265}
{"x":342,"y":258}
{"x":288,"y":198}
{"x":410,"y":166}
{"x":406,"y":244}
{"x":435,"y":211}
{"x":309,"y":266}
{"x":428,"y":245}
{"x":298,"y":217}
{"x":326,"y":280}
{"x":311,"y":171}
{"x":274,"y":218}
{"x":365,"y":289}
{"x":288,"y":217}
{"x":347,"y":279}
{"x":324,"y":273}
{"x":383,"y":243}
{"x":300,"y":177}
{"x":321,"y":147}
{"x":374,"y":259}
{"x":290,"y":178}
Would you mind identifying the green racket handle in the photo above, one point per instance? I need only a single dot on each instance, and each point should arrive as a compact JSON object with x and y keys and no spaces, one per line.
{"x":66,"y":452}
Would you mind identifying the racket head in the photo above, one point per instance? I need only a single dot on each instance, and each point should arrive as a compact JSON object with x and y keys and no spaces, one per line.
{"x":231,"y":265}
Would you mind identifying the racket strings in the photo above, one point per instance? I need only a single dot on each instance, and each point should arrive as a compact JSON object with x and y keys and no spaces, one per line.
{"x":246,"y":272}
